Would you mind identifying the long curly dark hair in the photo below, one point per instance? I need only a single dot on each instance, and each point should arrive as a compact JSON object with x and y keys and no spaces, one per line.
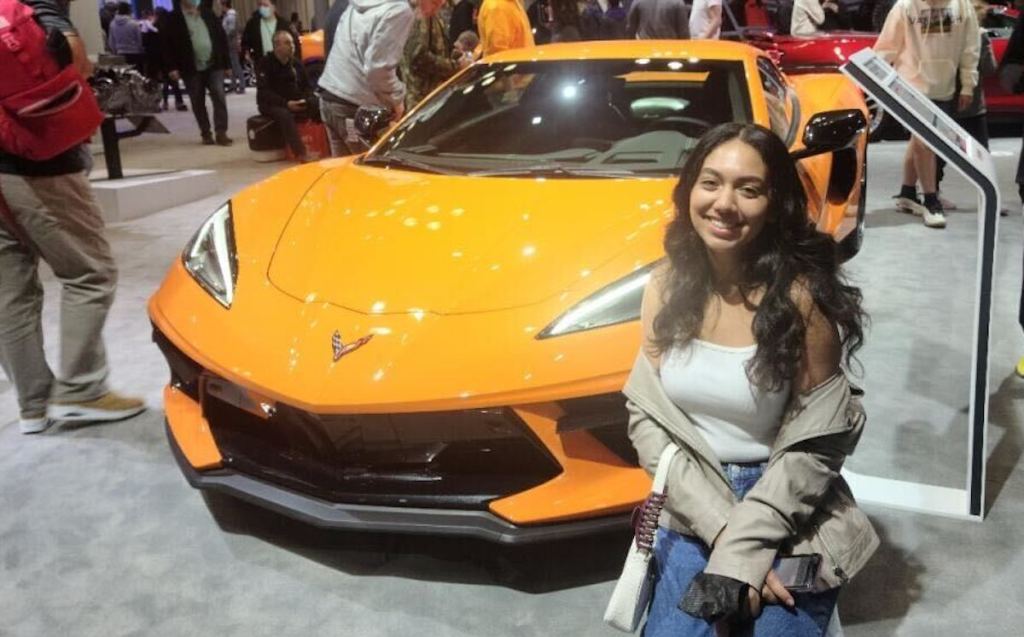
{"x":788,"y":252}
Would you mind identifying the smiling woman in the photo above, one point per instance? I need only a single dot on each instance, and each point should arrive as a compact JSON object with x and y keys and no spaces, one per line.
{"x":749,"y":319}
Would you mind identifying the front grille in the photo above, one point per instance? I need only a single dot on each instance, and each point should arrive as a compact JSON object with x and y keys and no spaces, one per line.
{"x":451,"y":459}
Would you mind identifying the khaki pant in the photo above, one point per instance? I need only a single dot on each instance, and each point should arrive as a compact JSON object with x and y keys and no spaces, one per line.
{"x":62,"y":222}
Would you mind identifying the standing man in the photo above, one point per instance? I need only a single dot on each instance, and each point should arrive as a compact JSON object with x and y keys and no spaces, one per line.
{"x":931,"y":43}
{"x":257,"y":40}
{"x":658,"y":20}
{"x":283,"y":92}
{"x":51,"y":213}
{"x":230,"y":23}
{"x":706,"y":20}
{"x":503,"y":25}
{"x":361,"y":68}
{"x":196,"y":49}
{"x":427,"y":61}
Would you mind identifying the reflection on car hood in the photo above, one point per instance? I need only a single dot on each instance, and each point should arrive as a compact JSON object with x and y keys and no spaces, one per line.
{"x":390,"y":241}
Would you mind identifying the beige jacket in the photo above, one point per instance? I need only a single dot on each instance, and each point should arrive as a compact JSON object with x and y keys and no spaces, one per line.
{"x":800,"y":505}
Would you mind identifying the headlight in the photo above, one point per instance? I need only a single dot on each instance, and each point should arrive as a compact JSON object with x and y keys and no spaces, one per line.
{"x":210,"y":256}
{"x":616,"y":303}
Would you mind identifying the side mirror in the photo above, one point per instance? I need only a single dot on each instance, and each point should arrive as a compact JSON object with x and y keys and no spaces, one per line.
{"x":831,"y":131}
{"x":371,"y":122}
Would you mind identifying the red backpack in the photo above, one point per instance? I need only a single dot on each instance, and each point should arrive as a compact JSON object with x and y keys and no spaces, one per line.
{"x":44,"y":109}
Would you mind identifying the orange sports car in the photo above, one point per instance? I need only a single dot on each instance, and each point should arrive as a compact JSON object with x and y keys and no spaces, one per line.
{"x":431,"y":337}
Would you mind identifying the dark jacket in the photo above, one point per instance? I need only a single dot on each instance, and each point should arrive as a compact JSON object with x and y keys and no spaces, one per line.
{"x":462,"y":18}
{"x":177,"y":45}
{"x":252,"y":39}
{"x":277,"y":83}
{"x":658,"y":20}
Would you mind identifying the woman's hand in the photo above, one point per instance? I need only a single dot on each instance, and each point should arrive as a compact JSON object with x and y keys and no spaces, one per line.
{"x":773,"y":592}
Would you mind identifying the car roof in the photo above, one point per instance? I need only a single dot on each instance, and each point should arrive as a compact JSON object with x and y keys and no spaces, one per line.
{"x":630,"y":49}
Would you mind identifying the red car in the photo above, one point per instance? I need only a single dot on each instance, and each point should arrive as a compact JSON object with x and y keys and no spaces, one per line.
{"x":827,"y":51}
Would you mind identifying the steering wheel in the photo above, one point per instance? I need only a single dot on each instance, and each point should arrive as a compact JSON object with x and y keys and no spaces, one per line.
{"x":701,"y":126}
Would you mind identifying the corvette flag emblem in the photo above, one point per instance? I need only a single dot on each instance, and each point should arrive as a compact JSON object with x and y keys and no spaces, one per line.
{"x":340,"y":348}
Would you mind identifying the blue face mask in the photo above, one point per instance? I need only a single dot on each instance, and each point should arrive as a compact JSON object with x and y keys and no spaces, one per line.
{"x":266,"y":12}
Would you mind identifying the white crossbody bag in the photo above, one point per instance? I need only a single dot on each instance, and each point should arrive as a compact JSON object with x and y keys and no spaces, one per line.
{"x":632,"y":592}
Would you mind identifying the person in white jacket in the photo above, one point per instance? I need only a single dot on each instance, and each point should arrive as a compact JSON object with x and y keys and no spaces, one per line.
{"x":931,"y":43}
{"x":809,"y":15}
{"x":361,"y":69}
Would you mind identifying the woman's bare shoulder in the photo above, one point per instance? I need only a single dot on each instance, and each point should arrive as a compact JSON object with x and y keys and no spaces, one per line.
{"x":822,"y":343}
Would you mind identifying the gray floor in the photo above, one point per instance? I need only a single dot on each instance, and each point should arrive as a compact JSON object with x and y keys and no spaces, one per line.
{"x":100,"y":535}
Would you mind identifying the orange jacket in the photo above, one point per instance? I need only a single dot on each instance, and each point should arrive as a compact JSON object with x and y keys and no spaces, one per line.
{"x":503,"y":25}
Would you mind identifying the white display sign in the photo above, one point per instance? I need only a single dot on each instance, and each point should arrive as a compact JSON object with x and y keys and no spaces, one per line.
{"x":962,"y":152}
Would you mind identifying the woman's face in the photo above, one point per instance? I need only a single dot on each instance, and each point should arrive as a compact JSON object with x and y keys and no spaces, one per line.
{"x":729,"y":202}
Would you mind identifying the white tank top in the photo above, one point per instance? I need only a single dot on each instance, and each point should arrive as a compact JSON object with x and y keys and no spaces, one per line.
{"x":709,"y":383}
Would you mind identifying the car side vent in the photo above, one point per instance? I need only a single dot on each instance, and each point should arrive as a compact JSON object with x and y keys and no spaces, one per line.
{"x":184,"y":371}
{"x":603,"y":416}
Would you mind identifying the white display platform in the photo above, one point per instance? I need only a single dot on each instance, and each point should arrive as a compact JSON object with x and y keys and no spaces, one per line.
{"x":143,"y":192}
{"x":963,"y":153}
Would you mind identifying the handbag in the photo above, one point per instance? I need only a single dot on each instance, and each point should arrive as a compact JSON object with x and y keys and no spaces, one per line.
{"x":632,"y":592}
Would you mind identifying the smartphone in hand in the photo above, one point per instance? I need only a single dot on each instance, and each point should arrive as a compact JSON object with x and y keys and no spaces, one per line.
{"x":798,"y":572}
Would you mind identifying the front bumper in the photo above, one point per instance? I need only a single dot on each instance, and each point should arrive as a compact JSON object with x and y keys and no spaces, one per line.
{"x":466,"y":523}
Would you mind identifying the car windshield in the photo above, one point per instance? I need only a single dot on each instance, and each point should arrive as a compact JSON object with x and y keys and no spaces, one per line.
{"x":569,"y":118}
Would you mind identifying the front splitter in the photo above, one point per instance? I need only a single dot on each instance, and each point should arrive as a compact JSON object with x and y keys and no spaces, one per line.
{"x":360,"y":517}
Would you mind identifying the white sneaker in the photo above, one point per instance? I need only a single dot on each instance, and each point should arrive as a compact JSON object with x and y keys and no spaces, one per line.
{"x":934,"y":218}
{"x":910,"y":206}
{"x":34,"y":425}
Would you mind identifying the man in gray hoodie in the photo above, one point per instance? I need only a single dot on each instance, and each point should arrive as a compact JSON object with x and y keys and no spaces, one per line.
{"x":361,"y":67}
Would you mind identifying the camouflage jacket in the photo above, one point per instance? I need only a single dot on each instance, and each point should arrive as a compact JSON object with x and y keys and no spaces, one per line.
{"x":427,"y":61}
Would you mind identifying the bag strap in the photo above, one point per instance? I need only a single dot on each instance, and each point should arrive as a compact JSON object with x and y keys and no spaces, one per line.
{"x":645,"y":517}
{"x":664,"y":462}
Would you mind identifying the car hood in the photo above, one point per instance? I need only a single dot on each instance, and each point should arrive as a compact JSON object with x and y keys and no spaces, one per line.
{"x":383,"y":241}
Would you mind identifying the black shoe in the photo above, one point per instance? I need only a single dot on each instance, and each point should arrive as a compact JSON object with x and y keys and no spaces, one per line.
{"x":181,"y":107}
{"x":224,"y":140}
{"x":208,"y":140}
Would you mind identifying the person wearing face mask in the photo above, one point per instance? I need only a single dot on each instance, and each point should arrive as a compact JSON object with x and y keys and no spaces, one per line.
{"x":427,"y":61}
{"x":258,"y":38}
{"x":196,"y":50}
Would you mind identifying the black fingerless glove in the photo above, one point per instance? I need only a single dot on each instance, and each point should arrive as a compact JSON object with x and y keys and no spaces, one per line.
{"x":716,"y":597}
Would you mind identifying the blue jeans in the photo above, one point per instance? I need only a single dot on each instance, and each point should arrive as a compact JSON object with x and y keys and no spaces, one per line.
{"x":679,"y":558}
